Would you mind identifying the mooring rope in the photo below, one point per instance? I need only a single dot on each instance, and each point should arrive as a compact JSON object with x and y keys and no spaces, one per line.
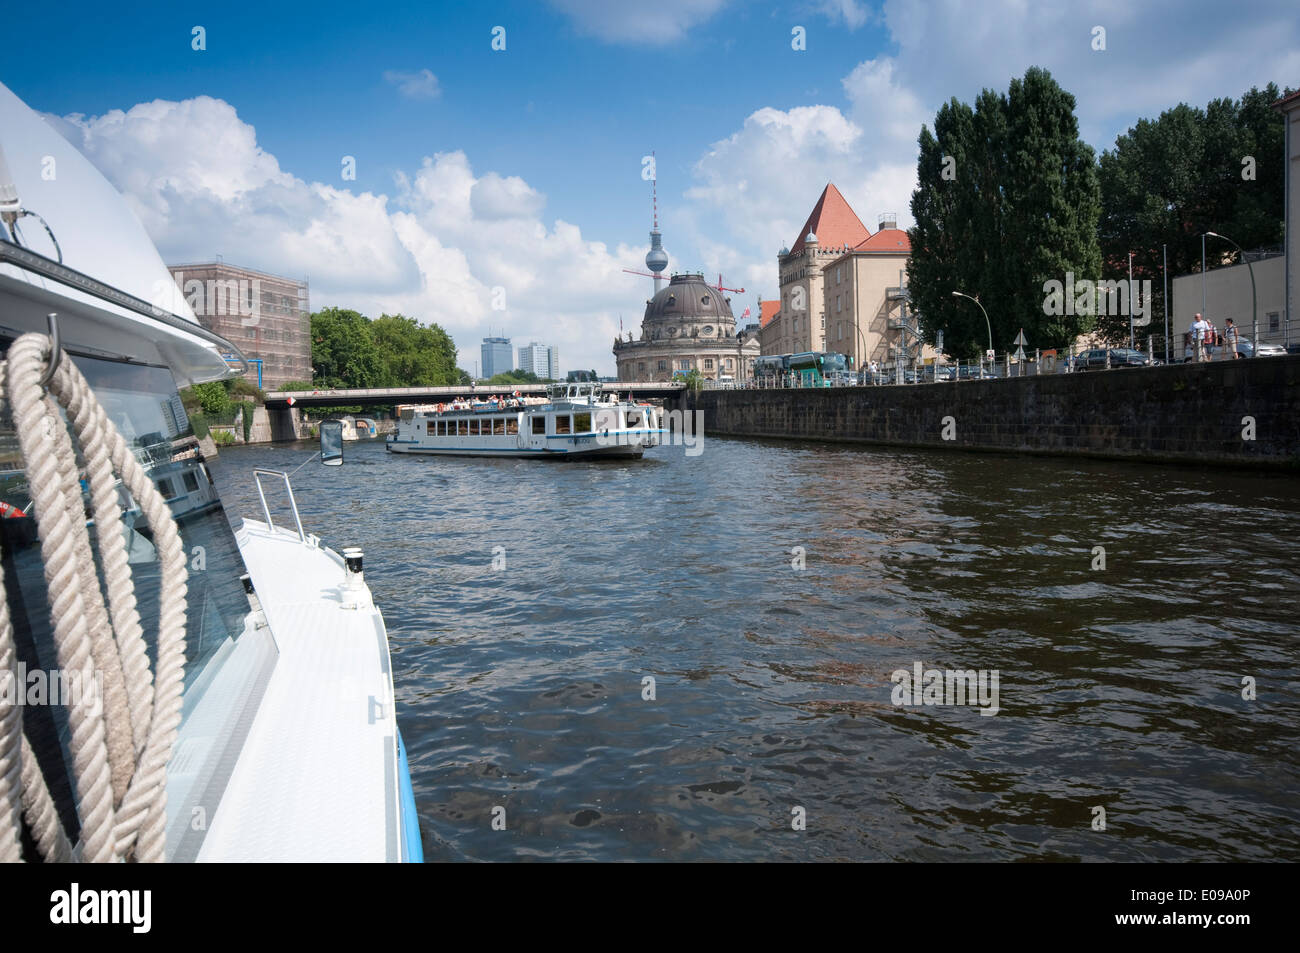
{"x":122,"y":737}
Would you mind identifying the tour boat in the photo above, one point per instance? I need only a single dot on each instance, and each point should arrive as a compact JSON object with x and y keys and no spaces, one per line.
{"x":232,"y":691}
{"x":573,"y":420}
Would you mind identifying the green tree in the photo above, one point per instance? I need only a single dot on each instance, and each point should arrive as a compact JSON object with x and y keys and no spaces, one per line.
{"x":343,"y":350}
{"x":1191,"y":170}
{"x":213,"y":398}
{"x":1008,"y":199}
{"x":514,"y":377}
{"x":412,"y":354}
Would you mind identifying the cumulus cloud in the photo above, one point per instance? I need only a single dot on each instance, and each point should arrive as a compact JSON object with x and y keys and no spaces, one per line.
{"x":849,"y":12}
{"x":762,"y":180}
{"x":421,"y":84}
{"x":438,"y":249}
{"x":637,"y":23}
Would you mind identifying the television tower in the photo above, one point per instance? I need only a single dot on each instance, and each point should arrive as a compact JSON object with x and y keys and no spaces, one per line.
{"x":656,"y":259}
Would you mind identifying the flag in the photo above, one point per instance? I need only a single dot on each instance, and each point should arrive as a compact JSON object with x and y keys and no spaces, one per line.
{"x":746,"y":314}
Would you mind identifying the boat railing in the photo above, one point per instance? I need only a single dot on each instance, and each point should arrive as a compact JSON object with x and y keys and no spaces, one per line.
{"x":258,"y":473}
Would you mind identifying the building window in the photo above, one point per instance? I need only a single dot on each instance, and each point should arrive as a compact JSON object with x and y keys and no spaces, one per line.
{"x":1274,"y":322}
{"x":708,"y":363}
{"x":838,"y":307}
{"x":728,"y":363}
{"x":640,"y":366}
{"x":839,"y":336}
{"x":663,"y":365}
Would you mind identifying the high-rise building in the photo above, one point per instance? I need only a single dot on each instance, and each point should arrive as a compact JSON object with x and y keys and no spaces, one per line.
{"x":496,"y":356}
{"x":267,"y":317}
{"x":541,"y":359}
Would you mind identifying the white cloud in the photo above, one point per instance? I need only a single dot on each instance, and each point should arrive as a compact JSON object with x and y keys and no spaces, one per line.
{"x":650,"y":23}
{"x":753,"y":189}
{"x":849,"y":12}
{"x":436,"y":250}
{"x":763,"y":180}
{"x":421,"y":84}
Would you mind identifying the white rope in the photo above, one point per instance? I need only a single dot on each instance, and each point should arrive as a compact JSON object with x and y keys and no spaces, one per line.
{"x":120,"y":742}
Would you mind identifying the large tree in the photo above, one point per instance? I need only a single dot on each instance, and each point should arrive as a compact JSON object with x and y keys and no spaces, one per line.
{"x":350,"y":350}
{"x":343,"y":351}
{"x":1189,"y":171}
{"x":413,"y":355}
{"x":1008,"y":199}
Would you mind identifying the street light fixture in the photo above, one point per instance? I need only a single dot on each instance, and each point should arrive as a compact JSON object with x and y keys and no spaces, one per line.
{"x":962,"y":294}
{"x":1254,"y":317}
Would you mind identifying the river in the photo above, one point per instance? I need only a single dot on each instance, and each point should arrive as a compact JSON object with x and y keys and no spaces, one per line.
{"x":771,"y":591}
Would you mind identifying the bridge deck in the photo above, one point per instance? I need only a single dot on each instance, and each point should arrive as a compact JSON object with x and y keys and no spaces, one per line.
{"x":417,"y":395}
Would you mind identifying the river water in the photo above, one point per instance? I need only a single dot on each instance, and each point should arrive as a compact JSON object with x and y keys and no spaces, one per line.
{"x":1119,"y":689}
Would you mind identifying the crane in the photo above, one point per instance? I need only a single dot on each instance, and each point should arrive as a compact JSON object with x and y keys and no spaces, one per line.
{"x":718,"y":287}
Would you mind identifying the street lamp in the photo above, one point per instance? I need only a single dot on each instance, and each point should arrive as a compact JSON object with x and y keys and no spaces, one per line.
{"x":1254,"y":318}
{"x":962,"y":294}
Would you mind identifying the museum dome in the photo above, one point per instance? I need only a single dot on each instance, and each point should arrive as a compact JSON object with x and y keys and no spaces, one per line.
{"x":688,"y":300}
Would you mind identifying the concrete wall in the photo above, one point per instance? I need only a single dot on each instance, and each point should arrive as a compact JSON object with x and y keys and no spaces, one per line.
{"x":1190,"y":413}
{"x":1227,"y":295}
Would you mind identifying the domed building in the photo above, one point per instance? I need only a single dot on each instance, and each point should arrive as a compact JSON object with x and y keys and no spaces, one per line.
{"x":687,"y":326}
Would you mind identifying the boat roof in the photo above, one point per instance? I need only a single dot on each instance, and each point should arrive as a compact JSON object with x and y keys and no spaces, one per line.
{"x":105,"y":279}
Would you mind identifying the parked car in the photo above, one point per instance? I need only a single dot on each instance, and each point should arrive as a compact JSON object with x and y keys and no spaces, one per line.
{"x":1095,"y":358}
{"x":931,"y":374}
{"x":1267,"y":350}
{"x":973,"y":372}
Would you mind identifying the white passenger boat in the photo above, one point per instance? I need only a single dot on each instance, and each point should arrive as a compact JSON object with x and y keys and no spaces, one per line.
{"x":574,"y":420}
{"x":232,"y":694}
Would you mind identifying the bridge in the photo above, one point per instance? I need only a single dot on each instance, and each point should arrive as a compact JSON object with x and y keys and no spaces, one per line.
{"x":282,"y":399}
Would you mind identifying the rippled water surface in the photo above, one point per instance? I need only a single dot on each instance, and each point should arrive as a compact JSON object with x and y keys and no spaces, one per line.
{"x":1119,"y":688}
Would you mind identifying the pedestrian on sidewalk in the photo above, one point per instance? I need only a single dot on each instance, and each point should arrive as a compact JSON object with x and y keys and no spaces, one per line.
{"x":1230,"y":337}
{"x":1199,"y":329}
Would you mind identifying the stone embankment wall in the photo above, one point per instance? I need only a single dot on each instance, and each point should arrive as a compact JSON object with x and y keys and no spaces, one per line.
{"x":1244,"y":412}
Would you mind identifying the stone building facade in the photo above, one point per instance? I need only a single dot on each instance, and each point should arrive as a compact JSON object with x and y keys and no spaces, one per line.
{"x":268,"y":317}
{"x":687,"y":326}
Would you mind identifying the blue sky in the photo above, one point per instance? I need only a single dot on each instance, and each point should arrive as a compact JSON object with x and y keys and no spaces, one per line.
{"x":521,"y":169}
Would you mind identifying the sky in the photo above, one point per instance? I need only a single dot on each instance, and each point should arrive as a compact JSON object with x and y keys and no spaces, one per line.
{"x":502,"y":191}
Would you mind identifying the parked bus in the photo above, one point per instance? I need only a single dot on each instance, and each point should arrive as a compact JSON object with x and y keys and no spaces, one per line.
{"x":819,"y":368}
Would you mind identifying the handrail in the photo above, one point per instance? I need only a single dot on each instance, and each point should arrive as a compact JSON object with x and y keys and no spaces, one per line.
{"x":258,"y":473}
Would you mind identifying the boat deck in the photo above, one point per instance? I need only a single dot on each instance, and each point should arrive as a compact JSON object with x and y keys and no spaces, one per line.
{"x":317,"y":778}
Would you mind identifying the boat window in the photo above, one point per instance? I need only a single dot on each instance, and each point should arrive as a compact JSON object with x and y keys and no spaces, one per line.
{"x":462,"y":428}
{"x":512,"y":425}
{"x":498,"y":425}
{"x":143,"y":403}
{"x":564,"y":423}
{"x":539,"y":424}
{"x":634,"y":418}
{"x":431,"y":427}
{"x":165,"y":488}
{"x":582,"y":422}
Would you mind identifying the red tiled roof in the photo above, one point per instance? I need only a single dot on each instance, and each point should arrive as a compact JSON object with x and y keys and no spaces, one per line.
{"x":767,"y":311}
{"x":833,"y":222}
{"x":1286,"y":101}
{"x":887,"y":240}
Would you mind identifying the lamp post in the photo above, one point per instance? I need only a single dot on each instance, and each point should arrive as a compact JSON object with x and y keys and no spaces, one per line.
{"x":962,"y":294}
{"x":1254,"y":318}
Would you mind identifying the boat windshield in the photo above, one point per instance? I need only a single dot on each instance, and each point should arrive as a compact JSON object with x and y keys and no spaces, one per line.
{"x":143,"y":403}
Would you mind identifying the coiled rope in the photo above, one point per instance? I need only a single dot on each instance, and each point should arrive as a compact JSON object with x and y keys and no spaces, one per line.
{"x":122,"y":737}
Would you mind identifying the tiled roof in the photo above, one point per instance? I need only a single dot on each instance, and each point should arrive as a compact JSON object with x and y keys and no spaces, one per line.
{"x":767,"y":311}
{"x":833,"y":222}
{"x":1287,"y":102}
{"x":887,"y":240}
